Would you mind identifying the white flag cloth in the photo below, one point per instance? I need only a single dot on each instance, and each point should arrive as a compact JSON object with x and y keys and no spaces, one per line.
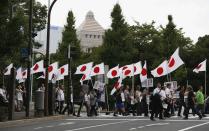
{"x":114,"y":72}
{"x":19,"y":73}
{"x":127,"y":70}
{"x":175,"y":61}
{"x":38,"y":67}
{"x":97,"y":70}
{"x":143,"y":73}
{"x":25,"y":74}
{"x":8,"y":69}
{"x":117,"y":86}
{"x":137,"y":68}
{"x":52,"y":70}
{"x":161,"y":70}
{"x":200,"y":67}
{"x":84,"y":68}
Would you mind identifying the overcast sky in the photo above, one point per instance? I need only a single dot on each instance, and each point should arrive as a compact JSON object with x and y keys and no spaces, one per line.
{"x":191,"y":15}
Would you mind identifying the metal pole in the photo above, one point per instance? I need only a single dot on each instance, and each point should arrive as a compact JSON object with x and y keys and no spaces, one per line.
{"x":46,"y":112}
{"x":205,"y":83}
{"x":28,"y":88}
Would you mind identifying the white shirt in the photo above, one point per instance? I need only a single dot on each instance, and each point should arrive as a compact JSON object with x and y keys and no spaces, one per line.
{"x":156,"y":90}
{"x":60,"y":95}
{"x":162,"y":94}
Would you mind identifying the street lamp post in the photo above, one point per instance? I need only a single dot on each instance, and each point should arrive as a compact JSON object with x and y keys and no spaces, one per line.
{"x":28,"y":89}
{"x":46,"y":111}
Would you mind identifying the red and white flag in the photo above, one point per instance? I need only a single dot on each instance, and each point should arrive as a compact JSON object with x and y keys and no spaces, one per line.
{"x":161,"y":70}
{"x":127,"y":70}
{"x":84,"y":68}
{"x":200,"y":67}
{"x":38,"y":67}
{"x":19,"y":73}
{"x":143,"y":73}
{"x":137,"y":68}
{"x":52,"y":70}
{"x":7,"y":71}
{"x":117,"y":86}
{"x":25,"y":74}
{"x":85,"y":77}
{"x":63,"y":70}
{"x":175,"y":61}
{"x":97,"y":70}
{"x":114,"y":72}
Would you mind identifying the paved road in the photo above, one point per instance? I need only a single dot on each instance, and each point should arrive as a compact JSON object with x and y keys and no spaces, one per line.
{"x":110,"y":123}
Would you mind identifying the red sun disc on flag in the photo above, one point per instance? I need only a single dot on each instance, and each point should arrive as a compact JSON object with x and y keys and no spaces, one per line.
{"x":83,"y":77}
{"x":96,"y":70}
{"x":116,"y":85}
{"x":62,"y":70}
{"x":24,"y":73}
{"x":171,"y":63}
{"x":198,"y":67}
{"x":36,"y":67}
{"x":83,"y":68}
{"x":50,"y":68}
{"x":114,"y":73}
{"x":127,"y":72}
{"x":160,"y":71}
{"x":134,"y":68}
{"x":144,"y":72}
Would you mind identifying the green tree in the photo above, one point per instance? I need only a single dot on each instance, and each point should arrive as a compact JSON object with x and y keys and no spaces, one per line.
{"x":69,"y":37}
{"x":116,"y":48}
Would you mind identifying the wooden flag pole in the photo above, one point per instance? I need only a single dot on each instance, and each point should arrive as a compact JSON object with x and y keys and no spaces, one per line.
{"x":205,"y":82}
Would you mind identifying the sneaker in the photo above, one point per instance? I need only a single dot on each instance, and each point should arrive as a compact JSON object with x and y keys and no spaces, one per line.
{"x":152,"y":119}
{"x":185,"y":118}
{"x":200,"y":117}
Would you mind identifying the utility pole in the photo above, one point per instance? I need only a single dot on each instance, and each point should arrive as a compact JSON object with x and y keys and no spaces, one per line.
{"x":46,"y":111}
{"x":28,"y":87}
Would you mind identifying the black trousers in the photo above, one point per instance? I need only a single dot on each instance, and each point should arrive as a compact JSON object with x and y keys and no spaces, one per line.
{"x":181,"y":104}
{"x":87,"y":108}
{"x":188,"y":107}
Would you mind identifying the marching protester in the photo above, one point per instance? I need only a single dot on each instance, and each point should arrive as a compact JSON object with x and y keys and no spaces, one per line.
{"x":127,"y":99}
{"x":156,"y":103}
{"x":181,"y":101}
{"x":119,"y":103}
{"x":60,"y":97}
{"x":93,"y":100}
{"x":19,"y":98}
{"x":3,"y":96}
{"x":190,"y":104}
{"x":138,"y":99}
{"x":200,"y":102}
{"x":144,"y":102}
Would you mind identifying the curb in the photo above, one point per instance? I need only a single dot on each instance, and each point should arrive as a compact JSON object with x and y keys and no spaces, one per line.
{"x":33,"y":120}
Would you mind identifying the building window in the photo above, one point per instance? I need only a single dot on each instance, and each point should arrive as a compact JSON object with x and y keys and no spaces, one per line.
{"x":86,"y":35}
{"x":90,"y":36}
{"x":94,"y":36}
{"x":98,"y":36}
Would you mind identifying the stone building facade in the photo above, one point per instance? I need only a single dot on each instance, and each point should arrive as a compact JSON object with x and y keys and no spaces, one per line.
{"x":90,"y":33}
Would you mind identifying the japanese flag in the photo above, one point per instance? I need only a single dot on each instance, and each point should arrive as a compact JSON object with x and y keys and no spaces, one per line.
{"x":85,"y":68}
{"x":161,"y":70}
{"x":97,"y":70}
{"x":63,"y":71}
{"x":19,"y":73}
{"x":174,"y":61}
{"x":8,"y":69}
{"x":25,"y":74}
{"x":117,"y":86}
{"x":143,"y":73}
{"x":52,"y":70}
{"x":137,"y":68}
{"x":114,"y":72}
{"x":200,"y":67}
{"x":128,"y":70}
{"x":38,"y":67}
{"x":85,"y":77}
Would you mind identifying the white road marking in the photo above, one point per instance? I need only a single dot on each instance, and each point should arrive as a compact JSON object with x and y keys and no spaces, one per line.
{"x":132,"y":129}
{"x":99,"y":125}
{"x":140,"y":127}
{"x":188,"y":128}
{"x":37,"y":128}
{"x":157,"y":124}
{"x":67,"y":123}
{"x":50,"y":126}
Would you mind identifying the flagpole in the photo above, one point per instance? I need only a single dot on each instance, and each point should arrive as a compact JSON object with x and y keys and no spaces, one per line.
{"x":3,"y":79}
{"x":205,"y":82}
